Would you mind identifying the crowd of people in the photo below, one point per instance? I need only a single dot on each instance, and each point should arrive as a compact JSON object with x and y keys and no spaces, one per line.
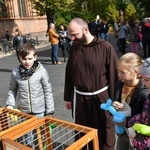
{"x":137,"y":33}
{"x":93,"y":74}
{"x":99,"y":27}
{"x":57,"y":41}
{"x":127,"y":84}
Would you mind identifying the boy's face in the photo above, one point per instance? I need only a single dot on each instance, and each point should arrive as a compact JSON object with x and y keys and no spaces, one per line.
{"x":146,"y":82}
{"x":28,"y":61}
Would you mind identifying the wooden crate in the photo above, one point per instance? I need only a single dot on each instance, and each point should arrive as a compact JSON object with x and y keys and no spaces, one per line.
{"x":11,"y":120}
{"x":51,"y":134}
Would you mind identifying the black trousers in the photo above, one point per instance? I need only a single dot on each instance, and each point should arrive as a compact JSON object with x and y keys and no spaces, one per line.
{"x":123,"y":45}
{"x":64,"y":48}
{"x":146,"y":49}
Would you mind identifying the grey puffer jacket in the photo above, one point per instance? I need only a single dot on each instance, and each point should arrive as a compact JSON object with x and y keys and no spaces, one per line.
{"x":33,"y":95}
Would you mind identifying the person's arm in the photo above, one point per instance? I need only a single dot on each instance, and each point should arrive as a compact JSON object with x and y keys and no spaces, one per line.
{"x":14,"y":41}
{"x":142,"y":117}
{"x":54,"y":34}
{"x":69,"y":88}
{"x":47,"y":88}
{"x":61,"y":34}
{"x":12,"y":93}
{"x":112,"y":72}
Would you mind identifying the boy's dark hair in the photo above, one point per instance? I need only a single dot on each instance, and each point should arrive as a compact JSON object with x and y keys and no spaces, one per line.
{"x":26,"y":49}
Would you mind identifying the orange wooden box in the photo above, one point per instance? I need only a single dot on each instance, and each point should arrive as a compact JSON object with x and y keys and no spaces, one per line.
{"x":11,"y":120}
{"x":51,"y":134}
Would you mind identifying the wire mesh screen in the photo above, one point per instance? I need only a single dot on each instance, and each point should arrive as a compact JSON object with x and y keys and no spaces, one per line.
{"x":10,"y":119}
{"x":54,"y":134}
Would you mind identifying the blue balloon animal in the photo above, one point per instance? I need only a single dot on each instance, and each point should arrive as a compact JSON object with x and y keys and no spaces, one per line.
{"x":118,"y":117}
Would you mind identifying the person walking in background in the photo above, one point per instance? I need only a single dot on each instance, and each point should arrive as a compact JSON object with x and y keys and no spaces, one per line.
{"x":92,"y":27}
{"x":105,"y":29}
{"x":63,"y":41}
{"x":90,"y":78}
{"x":7,"y":35}
{"x":99,"y":27}
{"x":133,"y":36}
{"x":122,"y":35}
{"x":129,"y":90}
{"x":141,"y":36}
{"x":54,"y":39}
{"x":146,"y":37}
{"x":142,"y":142}
{"x":116,"y":29}
{"x":18,"y":41}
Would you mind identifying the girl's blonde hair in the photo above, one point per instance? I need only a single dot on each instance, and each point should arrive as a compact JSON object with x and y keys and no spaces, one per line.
{"x":130,"y":61}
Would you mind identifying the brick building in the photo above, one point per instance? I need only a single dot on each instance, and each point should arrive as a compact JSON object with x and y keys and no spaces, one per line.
{"x":19,"y":14}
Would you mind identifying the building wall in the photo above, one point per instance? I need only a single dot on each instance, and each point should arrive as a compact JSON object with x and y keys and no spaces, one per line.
{"x":23,"y":16}
{"x":26,"y":25}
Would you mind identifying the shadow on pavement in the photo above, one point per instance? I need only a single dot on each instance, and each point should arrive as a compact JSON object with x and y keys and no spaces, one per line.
{"x":5,"y":70}
{"x":44,"y":56}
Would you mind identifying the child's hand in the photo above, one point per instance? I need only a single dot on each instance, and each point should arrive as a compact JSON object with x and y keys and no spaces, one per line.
{"x":117,"y":105}
{"x":122,"y":123}
{"x":52,"y":116}
{"x":10,"y":107}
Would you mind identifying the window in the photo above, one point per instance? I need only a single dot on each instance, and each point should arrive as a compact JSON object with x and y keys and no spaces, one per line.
{"x":22,"y":8}
{"x":7,"y":9}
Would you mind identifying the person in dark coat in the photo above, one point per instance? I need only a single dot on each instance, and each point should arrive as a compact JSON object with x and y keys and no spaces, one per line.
{"x":7,"y":35}
{"x":63,"y":41}
{"x":99,"y":27}
{"x":146,"y":37}
{"x":18,"y":41}
{"x":142,"y":141}
{"x":91,"y":75}
{"x":129,"y":90}
{"x":105,"y":29}
{"x":133,"y":29}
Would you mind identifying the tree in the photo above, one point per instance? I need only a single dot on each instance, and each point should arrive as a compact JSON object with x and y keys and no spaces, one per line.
{"x":62,"y":11}
{"x":112,"y":13}
{"x":143,"y":5}
{"x":130,"y":11}
{"x":50,"y":8}
{"x":80,"y":9}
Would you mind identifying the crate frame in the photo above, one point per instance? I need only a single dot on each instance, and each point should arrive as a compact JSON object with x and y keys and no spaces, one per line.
{"x":90,"y":134}
{"x":4,"y":125}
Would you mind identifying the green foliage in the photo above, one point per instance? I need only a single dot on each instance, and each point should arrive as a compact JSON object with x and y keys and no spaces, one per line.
{"x":46,"y":6}
{"x":130,"y":11}
{"x":121,"y":6}
{"x":54,"y":9}
{"x":112,"y":13}
{"x":143,"y":7}
{"x":62,"y":11}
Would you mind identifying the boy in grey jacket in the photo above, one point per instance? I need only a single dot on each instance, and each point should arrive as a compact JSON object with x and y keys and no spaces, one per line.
{"x":30,"y":85}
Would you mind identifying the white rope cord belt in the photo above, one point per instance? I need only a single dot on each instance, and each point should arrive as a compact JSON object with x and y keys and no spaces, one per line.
{"x":91,"y":93}
{"x":86,"y":94}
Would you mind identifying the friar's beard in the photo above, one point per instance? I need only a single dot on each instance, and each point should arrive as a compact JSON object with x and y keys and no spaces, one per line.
{"x":79,"y":42}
